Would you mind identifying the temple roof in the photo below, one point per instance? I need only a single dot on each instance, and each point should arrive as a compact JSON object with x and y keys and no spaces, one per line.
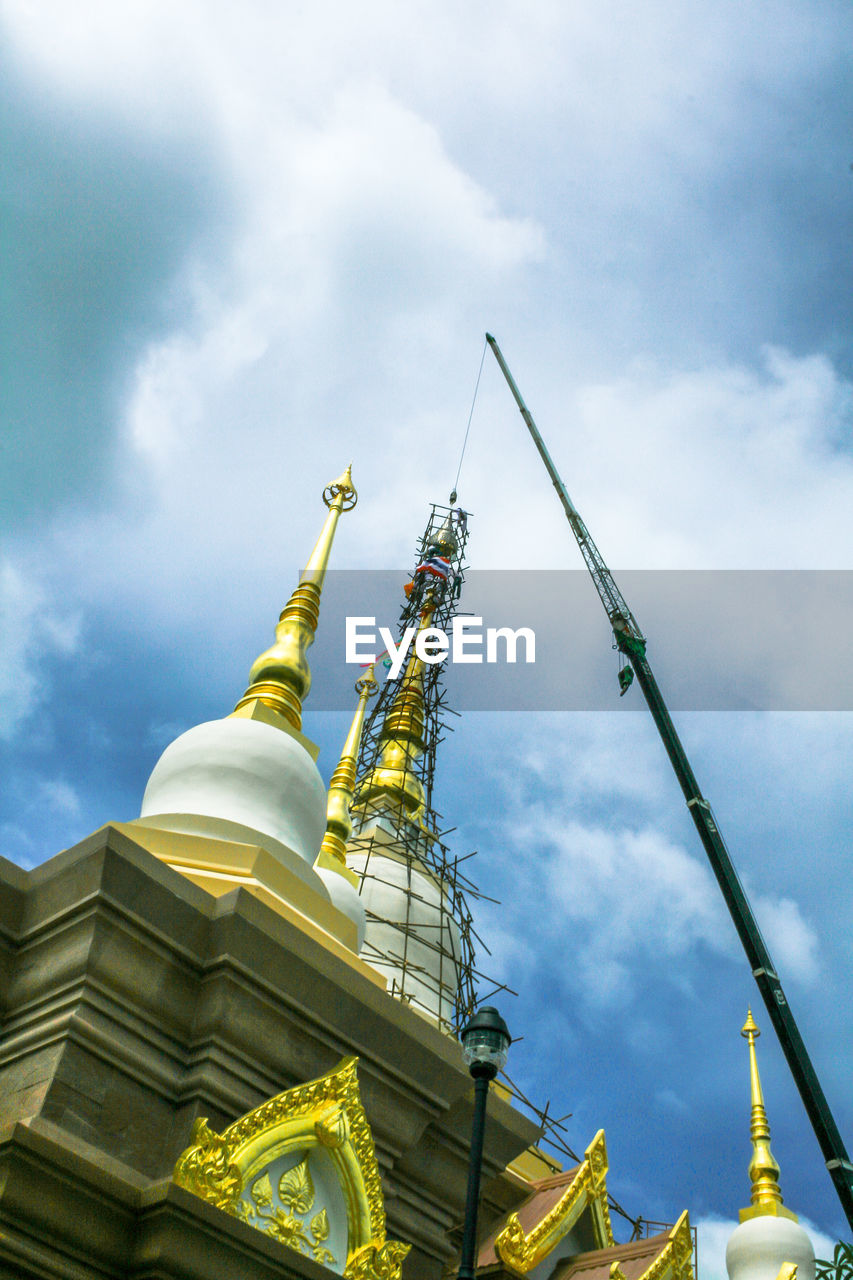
{"x":564,"y":1226}
{"x":573,"y":1199}
{"x":632,"y":1261}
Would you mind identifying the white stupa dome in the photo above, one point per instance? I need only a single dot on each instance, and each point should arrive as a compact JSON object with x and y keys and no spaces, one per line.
{"x":759,"y":1248}
{"x":411,"y":937}
{"x":239,"y":777}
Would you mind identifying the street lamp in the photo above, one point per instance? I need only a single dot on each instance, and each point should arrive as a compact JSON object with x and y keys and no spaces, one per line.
{"x":485,"y":1043}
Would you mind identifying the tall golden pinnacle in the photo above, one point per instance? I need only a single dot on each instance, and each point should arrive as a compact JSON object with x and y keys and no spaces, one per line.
{"x":281,"y":678}
{"x":766,"y":1197}
{"x":342,"y":785}
{"x":392,"y":783}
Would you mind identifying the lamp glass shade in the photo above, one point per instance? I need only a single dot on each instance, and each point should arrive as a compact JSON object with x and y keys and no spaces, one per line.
{"x":486,"y":1039}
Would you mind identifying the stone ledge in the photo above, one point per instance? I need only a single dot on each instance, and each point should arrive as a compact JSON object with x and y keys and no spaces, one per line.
{"x":66,"y":1214}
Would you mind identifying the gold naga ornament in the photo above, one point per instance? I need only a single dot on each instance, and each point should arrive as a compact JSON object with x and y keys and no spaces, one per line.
{"x":523,"y":1251}
{"x":302,"y":1168}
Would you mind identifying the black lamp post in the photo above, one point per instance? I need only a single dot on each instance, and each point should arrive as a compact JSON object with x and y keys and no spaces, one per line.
{"x":485,"y":1043}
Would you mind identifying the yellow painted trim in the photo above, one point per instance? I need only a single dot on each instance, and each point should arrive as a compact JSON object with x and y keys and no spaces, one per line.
{"x":788,"y":1271}
{"x":218,"y":866}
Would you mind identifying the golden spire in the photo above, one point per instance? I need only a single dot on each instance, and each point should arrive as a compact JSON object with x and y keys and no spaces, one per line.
{"x":392,"y":782}
{"x":280,"y":678}
{"x":342,"y":785}
{"x":766,"y":1197}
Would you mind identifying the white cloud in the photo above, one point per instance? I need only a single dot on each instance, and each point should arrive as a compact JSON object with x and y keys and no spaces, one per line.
{"x":752,"y":475}
{"x":627,"y":894}
{"x":672,"y":1102}
{"x":32,"y":631}
{"x":59,"y":796}
{"x":600,"y":850}
{"x":791,"y":940}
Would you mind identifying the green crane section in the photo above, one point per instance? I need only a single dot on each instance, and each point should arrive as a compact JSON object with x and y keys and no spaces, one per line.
{"x":631,"y":642}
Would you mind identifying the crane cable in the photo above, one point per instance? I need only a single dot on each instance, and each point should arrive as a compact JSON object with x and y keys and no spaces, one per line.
{"x":468,"y":427}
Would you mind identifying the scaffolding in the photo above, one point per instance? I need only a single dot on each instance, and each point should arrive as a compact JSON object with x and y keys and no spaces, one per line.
{"x":420,"y":929}
{"x":427,"y":946}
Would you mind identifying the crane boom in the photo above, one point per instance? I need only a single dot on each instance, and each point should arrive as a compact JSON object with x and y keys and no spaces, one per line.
{"x":631,"y":642}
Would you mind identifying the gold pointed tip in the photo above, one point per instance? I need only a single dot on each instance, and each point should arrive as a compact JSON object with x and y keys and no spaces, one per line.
{"x":342,"y":486}
{"x":750,"y":1027}
{"x":367,"y":681}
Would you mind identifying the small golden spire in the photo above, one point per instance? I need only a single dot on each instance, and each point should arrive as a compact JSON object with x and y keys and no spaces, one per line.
{"x":342,"y":785}
{"x":766,"y":1197}
{"x":392,"y":783}
{"x":281,"y":678}
{"x":445,"y":539}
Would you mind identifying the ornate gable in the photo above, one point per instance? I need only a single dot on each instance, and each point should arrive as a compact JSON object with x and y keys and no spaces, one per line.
{"x":302,"y":1168}
{"x":668,"y":1256}
{"x":522,"y":1245}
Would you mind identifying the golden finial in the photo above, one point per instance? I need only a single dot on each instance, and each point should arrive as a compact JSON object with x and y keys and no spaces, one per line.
{"x":392,"y":783}
{"x":342,"y":785}
{"x":766,"y":1197}
{"x":446,"y":539}
{"x":281,"y":678}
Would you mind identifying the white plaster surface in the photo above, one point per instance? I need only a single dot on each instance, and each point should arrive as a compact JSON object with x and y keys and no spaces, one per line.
{"x":345,"y":898}
{"x":245,"y":772}
{"x":413,"y":923}
{"x":759,"y":1247}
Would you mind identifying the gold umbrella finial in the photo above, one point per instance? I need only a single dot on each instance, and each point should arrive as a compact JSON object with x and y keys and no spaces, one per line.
{"x":766,"y":1198}
{"x":280,"y":678}
{"x":342,"y":785}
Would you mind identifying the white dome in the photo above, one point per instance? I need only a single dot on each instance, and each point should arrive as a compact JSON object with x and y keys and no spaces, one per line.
{"x":759,"y":1247}
{"x":244,"y":773}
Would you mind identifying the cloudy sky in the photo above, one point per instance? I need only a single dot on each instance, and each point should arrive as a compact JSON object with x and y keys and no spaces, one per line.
{"x":246,"y":245}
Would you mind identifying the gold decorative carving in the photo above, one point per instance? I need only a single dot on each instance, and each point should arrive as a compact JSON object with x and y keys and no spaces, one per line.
{"x":207,"y":1170}
{"x":320,"y":1232}
{"x":675,"y":1261}
{"x":381,"y":1262}
{"x":296,"y":1189}
{"x":231,"y":1171}
{"x":522,"y":1251}
{"x":332,"y":1129}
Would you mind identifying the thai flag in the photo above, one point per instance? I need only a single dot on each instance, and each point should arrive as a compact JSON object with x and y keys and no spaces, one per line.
{"x":432,"y":567}
{"x":435,"y":567}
